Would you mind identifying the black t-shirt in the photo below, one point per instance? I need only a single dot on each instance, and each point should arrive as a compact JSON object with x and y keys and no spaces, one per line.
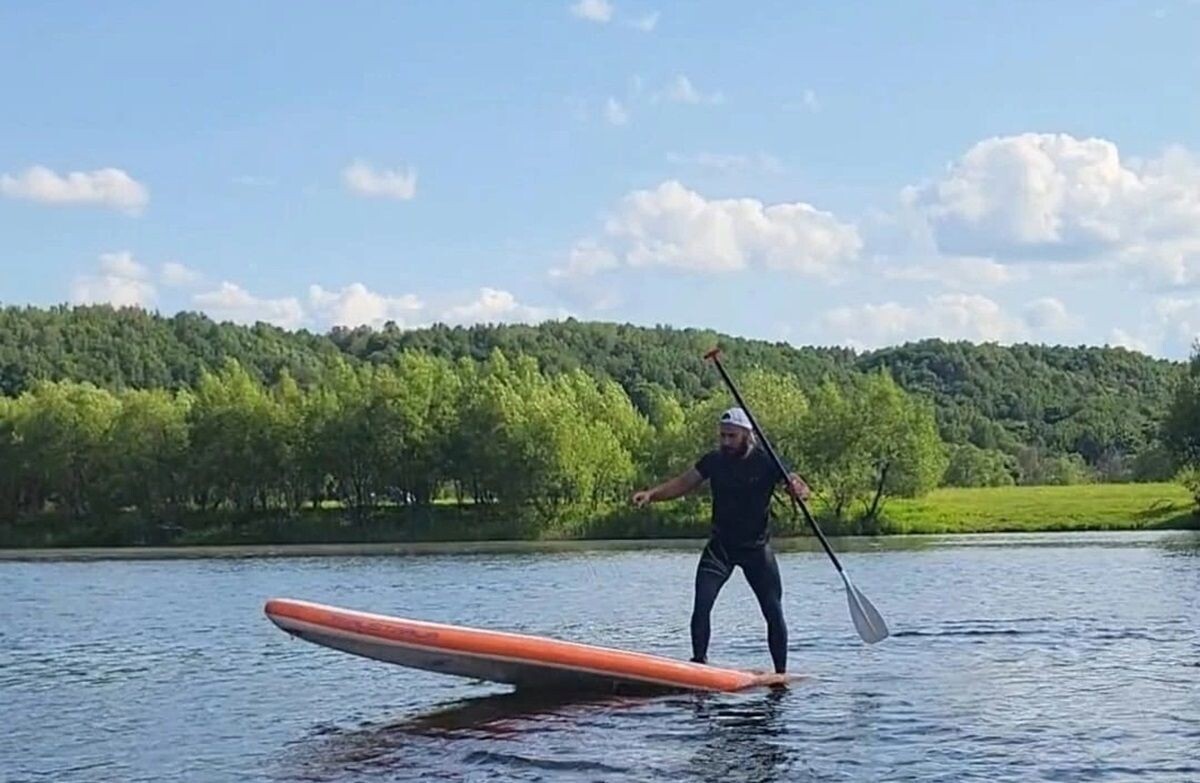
{"x":741,"y":495}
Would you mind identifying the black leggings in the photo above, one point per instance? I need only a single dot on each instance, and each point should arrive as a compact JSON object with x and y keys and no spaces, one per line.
{"x":762,"y":573}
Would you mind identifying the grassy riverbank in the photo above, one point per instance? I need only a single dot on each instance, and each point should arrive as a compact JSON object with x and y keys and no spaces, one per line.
{"x":1044,"y":509}
{"x":998,"y":509}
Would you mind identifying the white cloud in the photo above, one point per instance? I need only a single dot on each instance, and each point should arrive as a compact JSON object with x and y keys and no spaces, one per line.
{"x":1173,"y":263}
{"x":615,"y":113}
{"x":573,"y":282}
{"x":122,"y":265}
{"x":356,"y":305}
{"x":593,"y":10}
{"x":108,"y":187}
{"x":176,"y":275}
{"x":122,"y":283}
{"x":493,"y":306}
{"x":681,"y":90}
{"x":955,"y":272}
{"x":110,"y":289}
{"x":1168,"y":326}
{"x":646,"y":23}
{"x":231,"y":302}
{"x":364,"y":180}
{"x":586,"y":258}
{"x":1121,"y":338}
{"x":949,"y":316}
{"x":1048,"y":314}
{"x":1038,"y":197}
{"x":1179,"y":321}
{"x":672,"y":226}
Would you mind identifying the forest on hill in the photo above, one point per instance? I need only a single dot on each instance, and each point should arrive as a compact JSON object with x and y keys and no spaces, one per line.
{"x":1102,"y":405}
{"x":104,"y":409}
{"x":1105,"y":405}
{"x":1098,"y":402}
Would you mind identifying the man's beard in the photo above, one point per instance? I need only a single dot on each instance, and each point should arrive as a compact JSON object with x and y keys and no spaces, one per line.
{"x":735,"y":451}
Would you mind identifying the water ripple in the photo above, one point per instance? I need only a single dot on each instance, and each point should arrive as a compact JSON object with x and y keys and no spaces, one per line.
{"x":1021,"y":658}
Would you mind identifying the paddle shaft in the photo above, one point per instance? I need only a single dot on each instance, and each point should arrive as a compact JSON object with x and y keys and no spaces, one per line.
{"x":712,"y":356}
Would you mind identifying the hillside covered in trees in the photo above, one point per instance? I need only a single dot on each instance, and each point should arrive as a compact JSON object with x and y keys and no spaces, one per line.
{"x":1103,"y":404}
{"x":1037,"y":414}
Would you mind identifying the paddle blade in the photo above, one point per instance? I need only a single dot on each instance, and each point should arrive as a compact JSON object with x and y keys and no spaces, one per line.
{"x":867,"y":620}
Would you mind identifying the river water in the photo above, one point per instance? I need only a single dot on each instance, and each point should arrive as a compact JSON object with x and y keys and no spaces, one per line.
{"x":1071,"y":657}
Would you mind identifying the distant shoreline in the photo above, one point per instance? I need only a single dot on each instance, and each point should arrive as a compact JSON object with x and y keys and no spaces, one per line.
{"x":843,"y":544}
{"x":1034,"y":509}
{"x":250,"y":551}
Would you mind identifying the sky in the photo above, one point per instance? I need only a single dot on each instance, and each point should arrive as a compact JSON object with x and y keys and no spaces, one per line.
{"x":856,"y":174}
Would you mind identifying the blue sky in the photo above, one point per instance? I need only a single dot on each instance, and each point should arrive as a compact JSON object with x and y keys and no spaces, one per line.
{"x":843,"y":173}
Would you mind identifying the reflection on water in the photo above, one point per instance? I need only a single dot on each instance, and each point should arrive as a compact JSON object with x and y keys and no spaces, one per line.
{"x":740,"y":740}
{"x":411,"y":742}
{"x":1187,"y":544}
{"x":505,"y":714}
{"x":476,"y":728}
{"x":721,"y":737}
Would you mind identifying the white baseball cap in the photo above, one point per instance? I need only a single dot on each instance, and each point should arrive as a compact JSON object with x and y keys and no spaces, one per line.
{"x":737,"y":417}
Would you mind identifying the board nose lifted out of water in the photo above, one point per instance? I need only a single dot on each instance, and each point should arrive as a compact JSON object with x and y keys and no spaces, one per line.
{"x":527,"y":662}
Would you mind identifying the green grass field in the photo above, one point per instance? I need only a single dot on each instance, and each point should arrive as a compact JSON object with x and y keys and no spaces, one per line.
{"x":1029,"y":509}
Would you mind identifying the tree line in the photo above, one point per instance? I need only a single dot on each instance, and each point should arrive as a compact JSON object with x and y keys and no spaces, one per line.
{"x":104,"y":409}
{"x":1037,"y":414}
{"x":423,"y":429}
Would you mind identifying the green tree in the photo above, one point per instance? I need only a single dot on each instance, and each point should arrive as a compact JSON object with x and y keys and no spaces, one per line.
{"x":12,"y":468}
{"x":557,"y":444}
{"x":1037,"y":467}
{"x":1181,"y":426}
{"x":63,"y":432}
{"x":146,"y":452}
{"x":1154,"y":463}
{"x":670,"y":448}
{"x":835,"y":449}
{"x":971,"y":466}
{"x":903,"y":443}
{"x":238,"y":441}
{"x":778,"y":402}
{"x":867,"y":442}
{"x":423,"y":392}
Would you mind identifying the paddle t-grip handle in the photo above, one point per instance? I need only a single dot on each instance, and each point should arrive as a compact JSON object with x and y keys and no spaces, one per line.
{"x":713,"y":353}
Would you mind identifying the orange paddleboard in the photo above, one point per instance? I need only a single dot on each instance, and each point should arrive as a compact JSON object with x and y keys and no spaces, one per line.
{"x":521,"y":660}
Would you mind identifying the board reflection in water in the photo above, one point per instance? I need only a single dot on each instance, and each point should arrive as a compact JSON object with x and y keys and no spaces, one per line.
{"x":703,"y":737}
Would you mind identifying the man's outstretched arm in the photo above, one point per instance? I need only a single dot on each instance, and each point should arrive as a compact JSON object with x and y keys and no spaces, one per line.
{"x":669,"y":490}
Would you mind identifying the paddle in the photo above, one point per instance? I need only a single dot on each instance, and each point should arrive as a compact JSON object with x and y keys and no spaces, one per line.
{"x":867,"y":620}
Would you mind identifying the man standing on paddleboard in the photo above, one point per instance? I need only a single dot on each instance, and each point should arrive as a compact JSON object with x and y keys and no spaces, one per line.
{"x":742,"y":476}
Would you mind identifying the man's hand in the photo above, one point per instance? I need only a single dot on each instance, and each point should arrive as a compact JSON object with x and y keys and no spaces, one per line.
{"x":677,"y":487}
{"x":797,"y":488}
{"x":642,"y":498}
